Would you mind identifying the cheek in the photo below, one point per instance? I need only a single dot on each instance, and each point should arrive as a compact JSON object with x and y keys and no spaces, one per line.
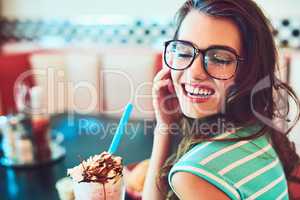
{"x":224,"y":85}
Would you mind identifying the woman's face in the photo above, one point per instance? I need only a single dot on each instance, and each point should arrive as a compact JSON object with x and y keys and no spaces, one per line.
{"x":204,"y":31}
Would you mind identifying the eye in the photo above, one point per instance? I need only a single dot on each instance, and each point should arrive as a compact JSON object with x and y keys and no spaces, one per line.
{"x":183,"y":55}
{"x":221,"y":60}
{"x":178,"y":53}
{"x":220,"y":57}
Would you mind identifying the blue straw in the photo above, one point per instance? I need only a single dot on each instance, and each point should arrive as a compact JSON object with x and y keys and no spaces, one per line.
{"x":120,"y":130}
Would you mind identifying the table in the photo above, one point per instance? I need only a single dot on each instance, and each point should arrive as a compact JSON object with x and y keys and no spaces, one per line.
{"x":84,"y":135}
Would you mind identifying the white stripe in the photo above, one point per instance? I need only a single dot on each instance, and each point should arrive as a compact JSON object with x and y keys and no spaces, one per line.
{"x":210,"y":175}
{"x":196,"y":150}
{"x":222,"y":151}
{"x":282,"y":195}
{"x":244,"y":160}
{"x":266,"y":188}
{"x":255,"y":174}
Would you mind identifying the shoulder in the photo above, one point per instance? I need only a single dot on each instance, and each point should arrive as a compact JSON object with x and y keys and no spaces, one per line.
{"x":236,"y":169}
{"x":190,"y":187}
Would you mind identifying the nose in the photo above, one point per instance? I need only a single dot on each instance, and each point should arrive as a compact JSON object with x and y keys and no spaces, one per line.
{"x":196,"y":70}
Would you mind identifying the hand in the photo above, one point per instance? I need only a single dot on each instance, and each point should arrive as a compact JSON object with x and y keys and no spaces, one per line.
{"x":165,"y":101}
{"x":166,"y":107}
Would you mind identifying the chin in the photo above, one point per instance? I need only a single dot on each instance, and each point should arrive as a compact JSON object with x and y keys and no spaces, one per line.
{"x":197,"y":111}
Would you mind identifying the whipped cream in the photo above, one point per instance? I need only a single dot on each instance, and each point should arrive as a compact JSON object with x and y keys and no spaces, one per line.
{"x":101,"y":168}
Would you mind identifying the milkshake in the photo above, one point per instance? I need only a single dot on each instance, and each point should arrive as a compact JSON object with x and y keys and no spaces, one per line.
{"x":98,"y":178}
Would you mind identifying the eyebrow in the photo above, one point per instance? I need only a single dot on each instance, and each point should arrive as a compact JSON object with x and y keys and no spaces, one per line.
{"x":213,"y":46}
{"x":222,"y":46}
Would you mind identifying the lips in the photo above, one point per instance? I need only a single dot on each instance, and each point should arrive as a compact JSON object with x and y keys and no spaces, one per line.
{"x":198,"y":92}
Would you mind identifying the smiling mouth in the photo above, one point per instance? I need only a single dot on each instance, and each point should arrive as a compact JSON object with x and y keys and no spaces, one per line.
{"x":198,"y":92}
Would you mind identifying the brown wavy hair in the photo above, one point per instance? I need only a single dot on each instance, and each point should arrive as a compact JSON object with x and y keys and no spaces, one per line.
{"x":258,"y":96}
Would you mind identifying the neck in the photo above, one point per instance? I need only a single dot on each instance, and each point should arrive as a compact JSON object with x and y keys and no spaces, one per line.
{"x":208,"y":126}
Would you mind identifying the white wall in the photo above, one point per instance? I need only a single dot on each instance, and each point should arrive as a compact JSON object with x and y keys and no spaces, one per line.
{"x":295,"y":83}
{"x":140,"y":8}
{"x":71,"y":8}
{"x":281,"y":8}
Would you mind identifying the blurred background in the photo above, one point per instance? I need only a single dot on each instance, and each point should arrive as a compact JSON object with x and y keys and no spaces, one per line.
{"x":91,"y":57}
{"x":92,"y":39}
{"x":82,"y":52}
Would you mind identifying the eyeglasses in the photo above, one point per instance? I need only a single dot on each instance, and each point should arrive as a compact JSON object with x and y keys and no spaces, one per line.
{"x":219,"y":62}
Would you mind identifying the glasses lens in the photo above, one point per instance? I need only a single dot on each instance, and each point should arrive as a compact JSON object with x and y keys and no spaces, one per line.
{"x":220,"y":63}
{"x":179,"y":55}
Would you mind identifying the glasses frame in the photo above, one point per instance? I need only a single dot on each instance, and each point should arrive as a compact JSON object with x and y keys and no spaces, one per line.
{"x":197,"y":51}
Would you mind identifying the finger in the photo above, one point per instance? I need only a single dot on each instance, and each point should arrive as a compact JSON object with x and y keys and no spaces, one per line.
{"x":160,"y":84}
{"x":171,"y":87}
{"x":164,"y":65}
{"x":162,"y":74}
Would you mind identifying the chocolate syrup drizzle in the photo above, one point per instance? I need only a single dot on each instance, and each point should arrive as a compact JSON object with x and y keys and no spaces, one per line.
{"x":99,"y":173}
{"x":104,"y":168}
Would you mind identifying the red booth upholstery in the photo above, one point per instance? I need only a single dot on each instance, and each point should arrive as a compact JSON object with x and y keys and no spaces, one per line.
{"x":11,"y":67}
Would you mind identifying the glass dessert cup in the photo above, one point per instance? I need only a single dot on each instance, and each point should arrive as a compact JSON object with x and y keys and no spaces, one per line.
{"x":99,"y":191}
{"x":100,"y":177}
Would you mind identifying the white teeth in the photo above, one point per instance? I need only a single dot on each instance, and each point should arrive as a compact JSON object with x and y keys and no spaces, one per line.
{"x":203,"y":92}
{"x":197,"y":91}
{"x":189,"y":88}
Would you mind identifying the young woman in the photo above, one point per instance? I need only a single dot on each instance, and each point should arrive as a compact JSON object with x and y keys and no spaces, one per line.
{"x":218,"y":85}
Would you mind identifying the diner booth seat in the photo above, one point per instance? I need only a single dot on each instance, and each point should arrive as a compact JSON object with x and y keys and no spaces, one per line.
{"x":70,"y":80}
{"x":97,"y":80}
{"x":127,"y":74}
{"x":13,"y":68}
{"x":91,"y":79}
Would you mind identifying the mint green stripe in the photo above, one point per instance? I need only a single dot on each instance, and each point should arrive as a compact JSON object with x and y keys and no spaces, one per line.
{"x":261,"y":181}
{"x":274,"y":192}
{"x":201,"y":154}
{"x":209,"y":146}
{"x":239,"y":153}
{"x":197,"y":155}
{"x":242,"y":132}
{"x":176,"y":168}
{"x":251,"y":166}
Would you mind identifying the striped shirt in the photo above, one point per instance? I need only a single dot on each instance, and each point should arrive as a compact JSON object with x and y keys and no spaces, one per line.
{"x":242,"y":170}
